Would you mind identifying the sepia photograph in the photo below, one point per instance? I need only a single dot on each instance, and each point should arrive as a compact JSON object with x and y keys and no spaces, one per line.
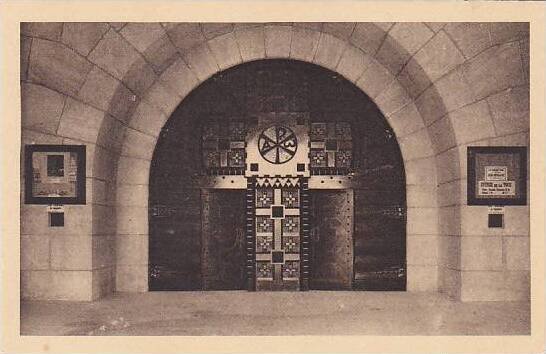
{"x":218,"y":179}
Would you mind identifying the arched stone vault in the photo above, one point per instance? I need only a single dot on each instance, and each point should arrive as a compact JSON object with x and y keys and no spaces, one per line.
{"x":440,"y":86}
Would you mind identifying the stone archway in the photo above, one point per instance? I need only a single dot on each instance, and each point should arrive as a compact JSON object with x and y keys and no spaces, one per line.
{"x":274,"y":41}
{"x":441,"y":87}
{"x":193,"y":226}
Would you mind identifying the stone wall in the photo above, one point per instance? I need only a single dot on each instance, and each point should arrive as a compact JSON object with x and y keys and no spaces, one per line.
{"x":112,"y":86}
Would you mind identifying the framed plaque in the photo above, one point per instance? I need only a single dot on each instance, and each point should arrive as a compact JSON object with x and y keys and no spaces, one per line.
{"x":55,"y":174}
{"x":497,"y":175}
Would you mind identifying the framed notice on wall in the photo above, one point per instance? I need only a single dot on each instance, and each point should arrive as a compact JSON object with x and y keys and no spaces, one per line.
{"x":55,"y":174}
{"x":497,"y":175}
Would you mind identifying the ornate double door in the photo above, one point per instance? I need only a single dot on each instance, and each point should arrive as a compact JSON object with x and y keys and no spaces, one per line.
{"x":277,"y":176}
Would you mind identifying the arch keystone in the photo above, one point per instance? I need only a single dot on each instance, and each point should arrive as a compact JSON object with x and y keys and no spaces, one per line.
{"x":277,"y":41}
{"x":251,"y":42}
{"x":304,"y":43}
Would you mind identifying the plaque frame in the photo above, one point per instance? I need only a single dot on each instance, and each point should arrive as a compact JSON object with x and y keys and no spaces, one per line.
{"x":80,"y":185}
{"x":472,"y":175}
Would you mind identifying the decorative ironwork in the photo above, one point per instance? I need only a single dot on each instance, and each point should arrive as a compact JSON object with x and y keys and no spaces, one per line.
{"x":264,"y":224}
{"x":264,"y":244}
{"x":291,"y":270}
{"x":250,"y":232}
{"x":277,"y":233}
{"x":223,"y":147}
{"x":305,"y":233}
{"x":278,"y":182}
{"x":290,"y":198}
{"x":290,"y":225}
{"x":331,"y":148}
{"x":291,"y":244}
{"x":264,"y":270}
{"x":264,"y":197}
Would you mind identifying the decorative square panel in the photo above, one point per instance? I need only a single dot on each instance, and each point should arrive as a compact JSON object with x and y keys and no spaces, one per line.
{"x":291,"y":270}
{"x":331,"y":149}
{"x":211,"y":158}
{"x":290,"y":198}
{"x":264,"y":270}
{"x":291,"y":244}
{"x":223,"y":146}
{"x":291,"y":225}
{"x":318,"y":131}
{"x":344,"y":159}
{"x":236,"y":158}
{"x":264,"y":224}
{"x":264,"y":244}
{"x":318,"y":158}
{"x":343,"y":131}
{"x":264,"y":197}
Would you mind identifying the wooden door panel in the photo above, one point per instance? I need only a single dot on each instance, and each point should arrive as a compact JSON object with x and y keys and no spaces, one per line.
{"x":332,"y":244}
{"x":175,"y":245}
{"x":223,"y":253}
{"x":380,"y":254}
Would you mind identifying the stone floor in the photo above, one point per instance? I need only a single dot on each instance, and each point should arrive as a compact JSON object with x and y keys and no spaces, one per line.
{"x":274,"y":313}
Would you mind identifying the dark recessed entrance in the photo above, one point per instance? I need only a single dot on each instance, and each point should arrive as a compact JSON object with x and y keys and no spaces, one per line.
{"x":316,"y":201}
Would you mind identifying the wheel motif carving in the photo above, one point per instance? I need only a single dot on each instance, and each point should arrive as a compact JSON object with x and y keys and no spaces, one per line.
{"x":277,"y":144}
